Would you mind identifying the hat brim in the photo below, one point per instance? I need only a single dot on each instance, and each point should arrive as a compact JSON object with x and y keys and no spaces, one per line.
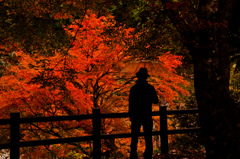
{"x":142,"y":74}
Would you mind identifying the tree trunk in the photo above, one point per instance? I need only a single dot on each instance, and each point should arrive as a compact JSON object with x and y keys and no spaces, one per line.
{"x":208,"y":43}
{"x":218,"y":113}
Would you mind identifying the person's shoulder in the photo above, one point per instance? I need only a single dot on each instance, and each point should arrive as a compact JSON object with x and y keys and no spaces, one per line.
{"x":151,"y":87}
{"x":133,"y":87}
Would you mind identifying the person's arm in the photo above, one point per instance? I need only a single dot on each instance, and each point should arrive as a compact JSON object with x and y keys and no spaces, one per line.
{"x":131,"y":104}
{"x":154,"y":96}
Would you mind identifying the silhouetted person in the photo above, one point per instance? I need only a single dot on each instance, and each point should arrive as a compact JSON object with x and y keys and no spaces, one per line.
{"x":141,"y":97}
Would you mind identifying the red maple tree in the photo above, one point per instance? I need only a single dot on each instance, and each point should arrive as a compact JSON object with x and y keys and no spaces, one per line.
{"x":75,"y":80}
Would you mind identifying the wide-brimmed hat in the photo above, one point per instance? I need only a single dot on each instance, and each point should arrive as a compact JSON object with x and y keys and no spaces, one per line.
{"x":143,"y":72}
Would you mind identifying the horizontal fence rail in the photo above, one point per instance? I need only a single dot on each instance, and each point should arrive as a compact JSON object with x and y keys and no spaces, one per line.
{"x":96,"y":137}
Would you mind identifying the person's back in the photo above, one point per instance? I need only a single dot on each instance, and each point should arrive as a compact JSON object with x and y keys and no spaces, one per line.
{"x":142,"y":95}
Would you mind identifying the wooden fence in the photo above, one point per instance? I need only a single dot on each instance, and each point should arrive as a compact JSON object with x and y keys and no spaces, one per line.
{"x":96,"y":137}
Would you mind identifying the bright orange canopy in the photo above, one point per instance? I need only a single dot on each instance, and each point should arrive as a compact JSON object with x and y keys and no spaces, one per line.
{"x":154,"y":67}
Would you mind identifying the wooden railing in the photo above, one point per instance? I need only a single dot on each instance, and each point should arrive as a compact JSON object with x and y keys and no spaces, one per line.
{"x":96,"y":137}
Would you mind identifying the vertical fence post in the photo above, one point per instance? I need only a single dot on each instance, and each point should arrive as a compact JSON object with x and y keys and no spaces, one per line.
{"x":14,"y":135}
{"x":96,"y":133}
{"x":163,"y":130}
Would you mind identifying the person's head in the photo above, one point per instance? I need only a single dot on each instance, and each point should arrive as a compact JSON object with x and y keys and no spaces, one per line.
{"x":142,"y":74}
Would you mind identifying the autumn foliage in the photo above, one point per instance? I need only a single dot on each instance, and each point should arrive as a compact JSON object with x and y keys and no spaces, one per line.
{"x":76,"y":79}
